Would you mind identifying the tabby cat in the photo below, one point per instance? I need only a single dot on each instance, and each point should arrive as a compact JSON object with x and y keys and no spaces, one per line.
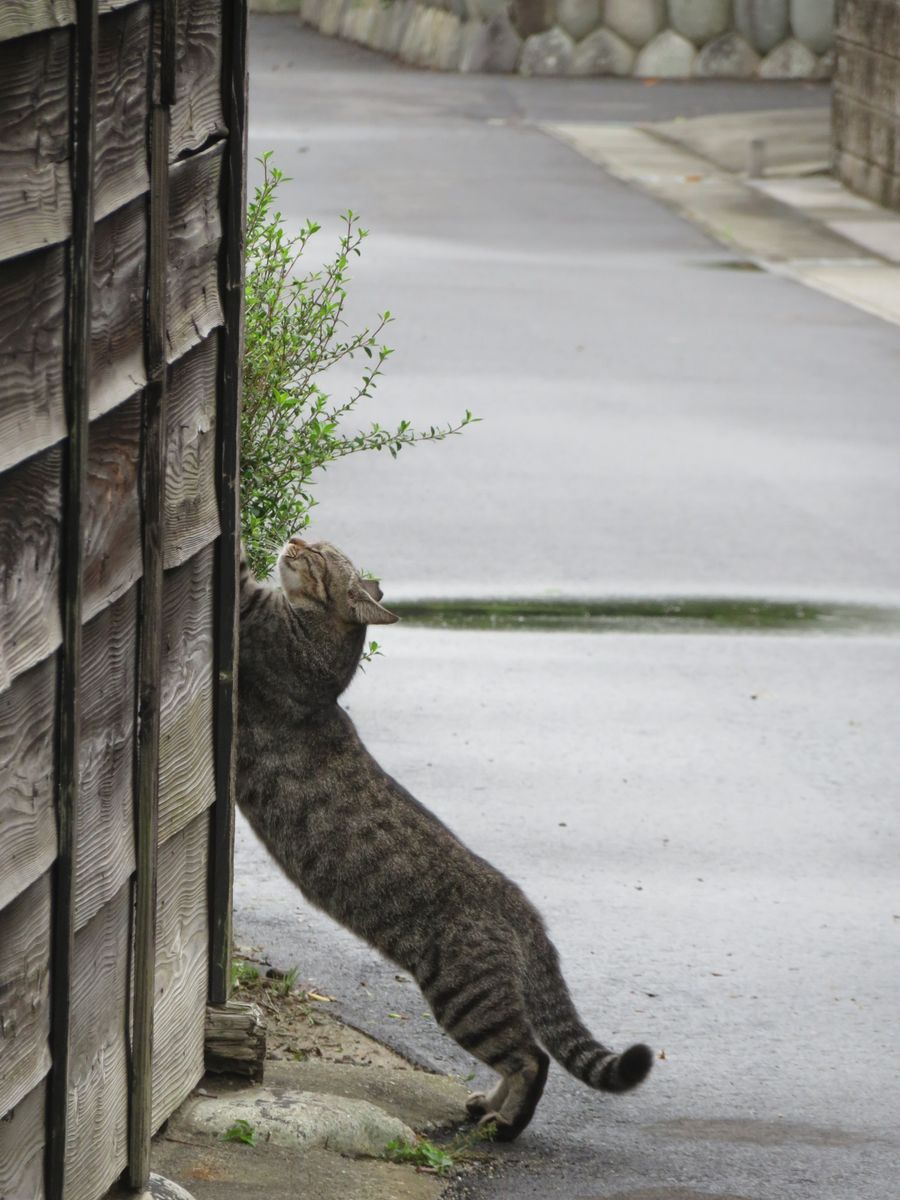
{"x":359,"y":846}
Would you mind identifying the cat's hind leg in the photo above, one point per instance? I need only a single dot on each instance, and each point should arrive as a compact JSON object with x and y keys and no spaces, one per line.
{"x":512,"y":1103}
{"x":474,"y":994}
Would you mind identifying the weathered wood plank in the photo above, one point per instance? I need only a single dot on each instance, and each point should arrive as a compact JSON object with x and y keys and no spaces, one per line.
{"x":27,"y":778}
{"x":35,"y":185}
{"x":192,"y":517}
{"x":117,"y":334}
{"x":229,"y":416}
{"x":186,"y":775}
{"x":25,"y":993}
{"x":30,"y":512}
{"x":123,"y":105}
{"x":197,"y":112}
{"x":21,"y":17}
{"x":193,"y":305}
{"x":181,"y":967}
{"x":235,"y":1039}
{"x":104,"y":858}
{"x":32,"y":322}
{"x":80,"y":262}
{"x":112,"y":517}
{"x":22,"y":1148}
{"x":96,"y":1147}
{"x":153,"y":489}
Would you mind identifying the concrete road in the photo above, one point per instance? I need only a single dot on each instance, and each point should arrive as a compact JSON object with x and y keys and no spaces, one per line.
{"x":652,"y":422}
{"x":708,"y":822}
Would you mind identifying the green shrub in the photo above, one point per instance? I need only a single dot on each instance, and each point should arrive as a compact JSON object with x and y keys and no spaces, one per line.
{"x":291,"y":427}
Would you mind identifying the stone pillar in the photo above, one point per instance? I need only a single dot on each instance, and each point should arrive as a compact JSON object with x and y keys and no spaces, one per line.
{"x":866,"y":111}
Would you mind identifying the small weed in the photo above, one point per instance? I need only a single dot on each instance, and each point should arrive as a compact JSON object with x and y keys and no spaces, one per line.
{"x":243,"y":973}
{"x":373,"y":651}
{"x":284,"y":985}
{"x":240,"y":1131}
{"x":422,"y":1154}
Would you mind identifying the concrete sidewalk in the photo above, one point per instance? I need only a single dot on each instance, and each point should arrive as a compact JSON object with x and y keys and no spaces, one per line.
{"x":795,"y":219}
{"x":318,"y":1127}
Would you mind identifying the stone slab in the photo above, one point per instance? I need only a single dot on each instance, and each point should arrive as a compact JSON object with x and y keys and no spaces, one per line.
{"x":547,"y":53}
{"x":667,"y":56}
{"x":700,"y":20}
{"x":296,"y":1120}
{"x":791,"y":60}
{"x":793,"y":137}
{"x":813,"y":22}
{"x":603,"y":53}
{"x":727,"y":57}
{"x":637,"y":21}
{"x":764,"y":23}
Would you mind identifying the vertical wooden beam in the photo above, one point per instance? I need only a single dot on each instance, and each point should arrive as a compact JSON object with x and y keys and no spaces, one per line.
{"x":234,"y":204}
{"x":77,"y":371}
{"x":153,"y":484}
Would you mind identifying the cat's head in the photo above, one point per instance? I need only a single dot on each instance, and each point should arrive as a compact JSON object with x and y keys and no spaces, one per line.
{"x":319,"y":578}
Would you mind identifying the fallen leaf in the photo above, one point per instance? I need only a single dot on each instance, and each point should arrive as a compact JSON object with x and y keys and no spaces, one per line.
{"x":320,"y":997}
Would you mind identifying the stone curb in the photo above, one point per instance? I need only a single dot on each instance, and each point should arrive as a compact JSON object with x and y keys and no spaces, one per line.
{"x":645,"y":38}
{"x":801,"y":228}
{"x":298,"y":1120}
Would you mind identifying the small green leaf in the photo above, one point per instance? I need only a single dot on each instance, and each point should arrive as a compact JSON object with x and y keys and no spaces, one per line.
{"x":240,"y":1131}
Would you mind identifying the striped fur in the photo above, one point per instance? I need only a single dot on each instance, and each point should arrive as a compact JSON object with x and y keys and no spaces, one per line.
{"x":359,"y":846}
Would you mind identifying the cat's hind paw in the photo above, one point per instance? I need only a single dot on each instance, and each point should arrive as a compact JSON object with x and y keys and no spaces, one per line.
{"x":504,"y":1130}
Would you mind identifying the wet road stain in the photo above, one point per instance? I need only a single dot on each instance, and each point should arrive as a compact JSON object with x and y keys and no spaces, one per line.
{"x":760,"y":1133}
{"x":651,"y":615}
{"x":730,"y":264}
{"x":665,"y":1193}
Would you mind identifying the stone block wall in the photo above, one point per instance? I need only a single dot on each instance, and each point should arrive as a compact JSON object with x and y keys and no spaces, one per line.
{"x":729,"y":39}
{"x":867,"y":99}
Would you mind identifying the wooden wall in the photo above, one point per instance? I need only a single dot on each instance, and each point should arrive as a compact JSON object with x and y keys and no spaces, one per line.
{"x":68,"y":854}
{"x":866,"y":111}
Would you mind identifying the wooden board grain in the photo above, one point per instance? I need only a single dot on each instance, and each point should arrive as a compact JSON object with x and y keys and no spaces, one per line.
{"x":22,"y":1148}
{"x":98,"y":1075}
{"x":193,"y":305}
{"x":227,"y":549}
{"x":21,"y":17}
{"x":32,"y":324}
{"x":186,"y":776}
{"x":104,"y":858}
{"x":30,"y":502}
{"x":24,"y":993}
{"x":112,"y":514}
{"x":35,"y":185}
{"x":182,"y":944}
{"x":117,"y":309}
{"x":192,"y":518}
{"x":27,"y":817}
{"x":197,"y":112}
{"x":123,"y":105}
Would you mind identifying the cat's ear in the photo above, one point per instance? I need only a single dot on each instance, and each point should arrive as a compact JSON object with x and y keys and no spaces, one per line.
{"x":364,"y":608}
{"x":371,"y":586}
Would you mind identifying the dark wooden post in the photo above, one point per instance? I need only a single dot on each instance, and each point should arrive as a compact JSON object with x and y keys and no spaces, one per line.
{"x":153,"y":483}
{"x":234,"y":205}
{"x":77,"y":384}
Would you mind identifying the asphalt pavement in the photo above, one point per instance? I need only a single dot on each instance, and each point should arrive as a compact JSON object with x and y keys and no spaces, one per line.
{"x":707,"y":820}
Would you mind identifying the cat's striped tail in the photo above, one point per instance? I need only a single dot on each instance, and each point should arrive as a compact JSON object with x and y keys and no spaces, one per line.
{"x":560,"y":1030}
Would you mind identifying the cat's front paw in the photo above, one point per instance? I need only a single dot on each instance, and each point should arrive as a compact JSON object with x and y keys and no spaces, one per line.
{"x":477,"y":1105}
